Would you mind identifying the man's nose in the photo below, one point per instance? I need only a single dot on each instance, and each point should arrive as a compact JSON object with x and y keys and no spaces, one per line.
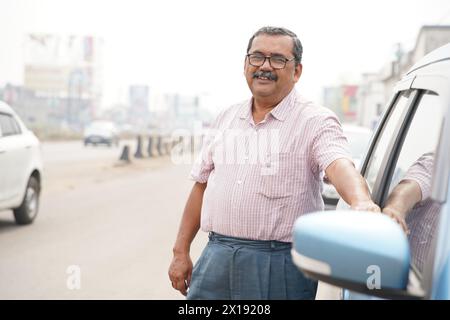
{"x":266,"y":65}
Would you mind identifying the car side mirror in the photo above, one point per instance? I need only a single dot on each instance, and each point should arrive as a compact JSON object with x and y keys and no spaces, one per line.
{"x":362,"y":251}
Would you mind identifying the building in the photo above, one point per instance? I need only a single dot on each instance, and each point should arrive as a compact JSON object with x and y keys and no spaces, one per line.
{"x":429,"y":38}
{"x":63,"y":73}
{"x":376,"y":88}
{"x":342,"y":100}
{"x":370,"y":100}
{"x":138,"y":100}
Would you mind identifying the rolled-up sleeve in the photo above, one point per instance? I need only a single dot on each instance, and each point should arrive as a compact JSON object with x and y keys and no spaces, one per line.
{"x":203,"y":164}
{"x":329,"y":142}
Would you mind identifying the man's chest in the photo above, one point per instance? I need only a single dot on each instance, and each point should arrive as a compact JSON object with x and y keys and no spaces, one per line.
{"x":263,"y":151}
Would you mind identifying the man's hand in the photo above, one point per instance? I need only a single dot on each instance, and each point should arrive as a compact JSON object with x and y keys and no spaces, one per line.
{"x":402,"y":199}
{"x":366,"y":205}
{"x":180,"y":272}
{"x":397,"y":217}
{"x":180,"y":269}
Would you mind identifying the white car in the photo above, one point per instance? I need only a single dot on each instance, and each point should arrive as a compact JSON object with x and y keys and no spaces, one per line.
{"x":20,"y":167}
{"x":101,"y":132}
{"x":358,"y":140}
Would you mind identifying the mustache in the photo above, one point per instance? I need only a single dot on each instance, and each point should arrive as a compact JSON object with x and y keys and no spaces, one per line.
{"x":267,"y":74}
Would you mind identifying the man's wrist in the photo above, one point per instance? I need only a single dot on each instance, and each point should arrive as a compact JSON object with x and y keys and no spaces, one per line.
{"x":395,"y":211}
{"x":358,"y":201}
{"x":180,"y":251}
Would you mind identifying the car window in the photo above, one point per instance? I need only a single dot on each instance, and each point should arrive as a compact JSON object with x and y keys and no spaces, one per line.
{"x":409,"y":188}
{"x":9,"y":125}
{"x":16,"y":125}
{"x":396,"y":114}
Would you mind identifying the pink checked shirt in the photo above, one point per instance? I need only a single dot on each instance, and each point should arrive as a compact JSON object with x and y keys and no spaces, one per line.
{"x":261,"y":177}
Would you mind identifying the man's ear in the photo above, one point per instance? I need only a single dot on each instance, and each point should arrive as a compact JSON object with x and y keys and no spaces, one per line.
{"x":245,"y":64}
{"x":298,"y":72}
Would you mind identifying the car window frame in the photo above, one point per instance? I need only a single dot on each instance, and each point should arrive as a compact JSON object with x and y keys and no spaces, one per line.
{"x":395,"y":152}
{"x":381,"y":176}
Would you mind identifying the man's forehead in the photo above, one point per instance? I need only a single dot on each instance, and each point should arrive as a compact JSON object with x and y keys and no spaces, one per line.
{"x":272,"y":43}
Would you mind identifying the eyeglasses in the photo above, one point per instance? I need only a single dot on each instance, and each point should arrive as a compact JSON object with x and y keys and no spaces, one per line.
{"x":276,"y":62}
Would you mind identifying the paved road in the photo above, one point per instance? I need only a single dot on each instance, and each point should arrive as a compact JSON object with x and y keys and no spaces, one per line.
{"x":74,"y":151}
{"x":116,"y":223}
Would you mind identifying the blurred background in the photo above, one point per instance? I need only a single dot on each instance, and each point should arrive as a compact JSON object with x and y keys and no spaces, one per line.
{"x":89,"y":77}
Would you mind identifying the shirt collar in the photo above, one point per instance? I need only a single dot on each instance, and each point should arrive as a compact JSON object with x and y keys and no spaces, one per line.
{"x":280,"y":112}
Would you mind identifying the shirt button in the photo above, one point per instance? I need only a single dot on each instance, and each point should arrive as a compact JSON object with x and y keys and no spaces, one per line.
{"x":246,"y":157}
{"x":239,"y":182}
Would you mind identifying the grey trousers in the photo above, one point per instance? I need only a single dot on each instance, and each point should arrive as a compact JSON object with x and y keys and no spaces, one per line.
{"x":240,"y":269}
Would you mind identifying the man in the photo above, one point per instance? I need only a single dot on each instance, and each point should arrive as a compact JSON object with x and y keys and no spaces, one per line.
{"x":284,"y":143}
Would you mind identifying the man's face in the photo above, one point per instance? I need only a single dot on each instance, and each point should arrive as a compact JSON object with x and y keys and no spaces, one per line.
{"x":285,"y":78}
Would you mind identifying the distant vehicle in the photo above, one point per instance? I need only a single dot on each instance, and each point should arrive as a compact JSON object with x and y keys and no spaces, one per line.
{"x":20,"y":167}
{"x":101,"y":132}
{"x":358,"y":139}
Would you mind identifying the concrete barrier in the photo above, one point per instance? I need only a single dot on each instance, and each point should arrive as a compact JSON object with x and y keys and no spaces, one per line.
{"x":150,"y":147}
{"x":138,"y":154}
{"x":125,"y":156}
{"x":159,"y":145}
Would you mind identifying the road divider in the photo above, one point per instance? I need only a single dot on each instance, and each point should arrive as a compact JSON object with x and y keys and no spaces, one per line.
{"x":162,"y":145}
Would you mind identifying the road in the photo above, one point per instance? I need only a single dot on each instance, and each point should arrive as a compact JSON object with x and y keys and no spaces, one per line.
{"x":114,"y":223}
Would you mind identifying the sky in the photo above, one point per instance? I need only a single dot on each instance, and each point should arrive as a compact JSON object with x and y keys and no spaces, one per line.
{"x":198,"y":47}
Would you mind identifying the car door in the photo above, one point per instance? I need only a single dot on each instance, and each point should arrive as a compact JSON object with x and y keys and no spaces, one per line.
{"x":404,"y":151}
{"x":15,"y":157}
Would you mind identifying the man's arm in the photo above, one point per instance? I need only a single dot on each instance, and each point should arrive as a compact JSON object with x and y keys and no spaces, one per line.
{"x":350,"y":185}
{"x":180,"y":269}
{"x":401,"y":200}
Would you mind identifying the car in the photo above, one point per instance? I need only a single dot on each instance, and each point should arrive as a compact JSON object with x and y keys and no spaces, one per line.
{"x":370,"y":255}
{"x":101,"y":132}
{"x":20,"y":167}
{"x":358,"y":139}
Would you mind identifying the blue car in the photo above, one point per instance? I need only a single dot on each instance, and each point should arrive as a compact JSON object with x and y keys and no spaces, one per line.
{"x":403,"y":253}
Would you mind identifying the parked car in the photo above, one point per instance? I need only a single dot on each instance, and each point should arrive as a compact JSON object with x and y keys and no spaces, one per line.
{"x":101,"y":132}
{"x":20,"y":167}
{"x":358,"y":140}
{"x":368,"y":254}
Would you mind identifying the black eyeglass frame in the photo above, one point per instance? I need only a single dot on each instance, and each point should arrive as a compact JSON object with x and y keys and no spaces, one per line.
{"x":286,"y":60}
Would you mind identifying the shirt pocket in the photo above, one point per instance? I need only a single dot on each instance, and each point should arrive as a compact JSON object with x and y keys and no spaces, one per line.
{"x":277,"y":179}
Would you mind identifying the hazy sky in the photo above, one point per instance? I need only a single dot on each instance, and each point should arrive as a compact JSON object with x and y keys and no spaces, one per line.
{"x":199,"y":46}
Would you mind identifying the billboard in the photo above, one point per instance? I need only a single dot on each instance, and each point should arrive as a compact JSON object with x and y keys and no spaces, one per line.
{"x":58,"y":65}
